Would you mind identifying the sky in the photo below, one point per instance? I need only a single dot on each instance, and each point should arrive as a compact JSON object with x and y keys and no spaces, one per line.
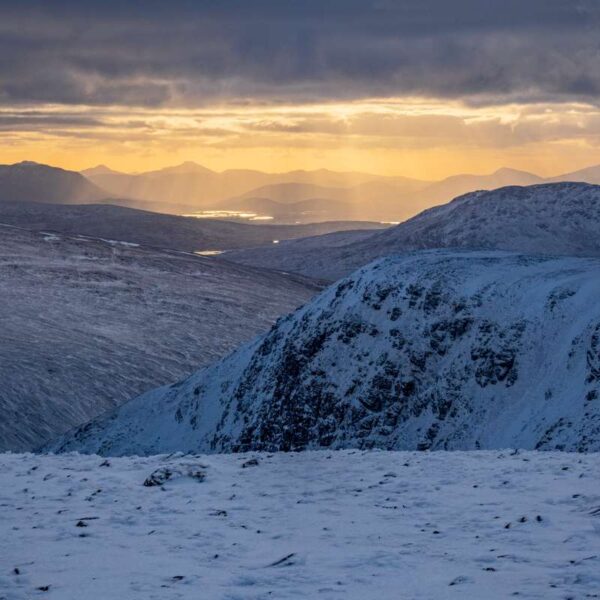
{"x":422,"y":88}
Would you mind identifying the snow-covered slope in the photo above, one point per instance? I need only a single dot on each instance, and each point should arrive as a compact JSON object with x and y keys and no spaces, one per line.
{"x":351,"y":525}
{"x":558,"y":218}
{"x":439,"y":349}
{"x":86,"y":324}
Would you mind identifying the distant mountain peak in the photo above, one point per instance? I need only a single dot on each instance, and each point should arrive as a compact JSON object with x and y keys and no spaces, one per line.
{"x":511,"y":171}
{"x":589,"y":174}
{"x":188,"y":166}
{"x":32,"y":165}
{"x":101,"y":169}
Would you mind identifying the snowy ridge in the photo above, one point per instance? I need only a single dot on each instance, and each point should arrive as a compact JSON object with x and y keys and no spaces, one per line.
{"x":558,"y":218}
{"x":348,"y":524}
{"x":431,"y":350}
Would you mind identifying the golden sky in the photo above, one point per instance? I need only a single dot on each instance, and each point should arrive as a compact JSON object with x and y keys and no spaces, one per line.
{"x":416,"y":137}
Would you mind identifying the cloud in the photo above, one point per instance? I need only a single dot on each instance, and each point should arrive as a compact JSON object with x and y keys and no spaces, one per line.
{"x":193,"y":54}
{"x":374,"y":124}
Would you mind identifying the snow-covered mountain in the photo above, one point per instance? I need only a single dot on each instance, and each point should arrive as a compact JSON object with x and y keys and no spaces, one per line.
{"x":86,"y":324}
{"x":558,"y":218}
{"x":431,"y":350}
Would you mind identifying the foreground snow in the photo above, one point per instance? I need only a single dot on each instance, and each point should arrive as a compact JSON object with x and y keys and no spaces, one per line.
{"x":344,"y":524}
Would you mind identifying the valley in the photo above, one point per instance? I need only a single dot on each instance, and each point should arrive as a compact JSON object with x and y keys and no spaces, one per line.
{"x":159,"y":230}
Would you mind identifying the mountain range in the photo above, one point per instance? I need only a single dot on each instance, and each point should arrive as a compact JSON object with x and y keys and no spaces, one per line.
{"x":292,"y":197}
{"x":329,"y":195}
{"x":190,"y":187}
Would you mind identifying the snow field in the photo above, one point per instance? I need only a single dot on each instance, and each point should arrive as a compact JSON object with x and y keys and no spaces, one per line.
{"x":345,"y":524}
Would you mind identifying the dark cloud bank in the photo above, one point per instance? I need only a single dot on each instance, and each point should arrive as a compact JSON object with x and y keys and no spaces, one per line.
{"x":191,"y":53}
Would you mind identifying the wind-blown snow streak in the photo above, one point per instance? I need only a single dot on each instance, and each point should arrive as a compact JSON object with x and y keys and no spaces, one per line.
{"x":558,"y":218}
{"x":432,"y":350}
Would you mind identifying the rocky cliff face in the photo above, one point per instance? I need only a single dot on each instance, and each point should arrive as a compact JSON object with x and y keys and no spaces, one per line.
{"x":433,"y":350}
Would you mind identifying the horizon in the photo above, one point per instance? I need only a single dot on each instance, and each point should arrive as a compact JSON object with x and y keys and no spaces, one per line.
{"x":170,"y":166}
